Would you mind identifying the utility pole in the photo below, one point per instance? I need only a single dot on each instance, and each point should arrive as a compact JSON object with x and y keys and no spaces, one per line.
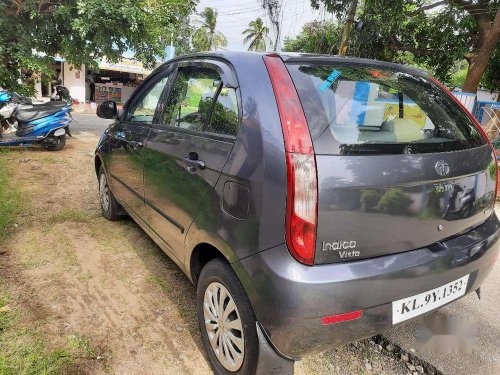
{"x":348,"y":27}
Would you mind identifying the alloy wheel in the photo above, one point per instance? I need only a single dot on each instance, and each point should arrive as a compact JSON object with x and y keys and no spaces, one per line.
{"x":224,"y":326}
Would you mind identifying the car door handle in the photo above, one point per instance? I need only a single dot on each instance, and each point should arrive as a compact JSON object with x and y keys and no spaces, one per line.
{"x":194,"y":164}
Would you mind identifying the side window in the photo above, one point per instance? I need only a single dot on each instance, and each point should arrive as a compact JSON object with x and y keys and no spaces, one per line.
{"x":191,"y":98}
{"x":143,"y":110}
{"x":224,"y":118}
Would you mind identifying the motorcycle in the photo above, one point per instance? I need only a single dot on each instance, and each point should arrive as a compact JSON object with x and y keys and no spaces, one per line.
{"x":23,"y":123}
{"x":61,"y":93}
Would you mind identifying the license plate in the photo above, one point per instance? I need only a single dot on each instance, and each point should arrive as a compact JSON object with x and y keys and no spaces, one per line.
{"x":413,"y":306}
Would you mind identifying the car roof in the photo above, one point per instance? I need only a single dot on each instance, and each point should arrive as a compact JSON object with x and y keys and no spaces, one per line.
{"x":237,"y":57}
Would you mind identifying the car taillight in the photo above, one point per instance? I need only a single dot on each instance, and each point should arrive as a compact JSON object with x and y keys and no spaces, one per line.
{"x":476,"y":124}
{"x":302,"y":189}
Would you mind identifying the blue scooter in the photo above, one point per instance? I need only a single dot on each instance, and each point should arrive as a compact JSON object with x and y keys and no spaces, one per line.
{"x":23,"y":123}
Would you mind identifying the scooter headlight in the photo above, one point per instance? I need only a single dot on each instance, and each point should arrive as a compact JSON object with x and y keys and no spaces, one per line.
{"x":59,"y":132}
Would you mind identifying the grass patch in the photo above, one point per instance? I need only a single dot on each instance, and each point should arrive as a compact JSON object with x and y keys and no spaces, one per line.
{"x":161,"y":283}
{"x":72,"y":215}
{"x":82,"y":346}
{"x":10,"y":202}
{"x":51,"y":247}
{"x":53,"y":160}
{"x":5,"y":317}
{"x":13,"y":149}
{"x":24,"y":350}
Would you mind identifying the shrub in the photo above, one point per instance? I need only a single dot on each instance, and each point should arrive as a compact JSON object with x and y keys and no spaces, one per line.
{"x":395,"y":202}
{"x":369,"y":199}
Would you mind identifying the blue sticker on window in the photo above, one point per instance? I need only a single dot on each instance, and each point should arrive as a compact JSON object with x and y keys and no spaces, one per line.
{"x":329,"y":81}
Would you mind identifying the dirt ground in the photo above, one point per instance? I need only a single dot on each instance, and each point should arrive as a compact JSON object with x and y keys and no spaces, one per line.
{"x":78,"y":275}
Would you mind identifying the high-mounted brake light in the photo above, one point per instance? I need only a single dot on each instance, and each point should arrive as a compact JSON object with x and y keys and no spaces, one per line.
{"x":476,"y":124}
{"x":302,"y":189}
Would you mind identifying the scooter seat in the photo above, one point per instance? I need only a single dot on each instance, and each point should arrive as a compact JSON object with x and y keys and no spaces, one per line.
{"x":38,"y":111}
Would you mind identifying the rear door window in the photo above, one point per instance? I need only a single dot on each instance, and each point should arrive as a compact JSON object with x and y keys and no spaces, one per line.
{"x":199,"y":102}
{"x":373,"y":110}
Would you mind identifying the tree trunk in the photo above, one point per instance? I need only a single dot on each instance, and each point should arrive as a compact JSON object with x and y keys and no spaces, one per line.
{"x":478,"y":61}
{"x":344,"y":42}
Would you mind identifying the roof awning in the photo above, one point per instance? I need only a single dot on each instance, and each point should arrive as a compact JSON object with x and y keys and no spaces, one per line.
{"x":124,"y":65}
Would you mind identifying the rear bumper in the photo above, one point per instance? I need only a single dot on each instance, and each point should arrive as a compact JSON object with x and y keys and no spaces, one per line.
{"x":290,"y":299}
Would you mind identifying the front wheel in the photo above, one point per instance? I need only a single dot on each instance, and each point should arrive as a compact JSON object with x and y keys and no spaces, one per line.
{"x":55,"y":143}
{"x":227,"y":320}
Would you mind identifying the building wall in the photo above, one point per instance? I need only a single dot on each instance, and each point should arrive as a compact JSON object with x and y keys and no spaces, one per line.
{"x":38,"y":89}
{"x":74,"y":80}
{"x":487,"y":96}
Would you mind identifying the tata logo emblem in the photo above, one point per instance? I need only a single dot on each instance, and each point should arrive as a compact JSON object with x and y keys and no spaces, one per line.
{"x":442,"y":168}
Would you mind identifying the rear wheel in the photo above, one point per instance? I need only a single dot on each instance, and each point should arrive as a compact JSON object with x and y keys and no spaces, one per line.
{"x":227,"y":320}
{"x":55,"y":143}
{"x":110,"y":208}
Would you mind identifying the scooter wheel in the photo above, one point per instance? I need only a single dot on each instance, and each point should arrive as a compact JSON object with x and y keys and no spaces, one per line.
{"x":55,"y":143}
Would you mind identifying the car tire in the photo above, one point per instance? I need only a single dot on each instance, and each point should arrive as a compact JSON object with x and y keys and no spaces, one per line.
{"x":110,"y":208}
{"x":238,"y":324}
{"x":55,"y":143}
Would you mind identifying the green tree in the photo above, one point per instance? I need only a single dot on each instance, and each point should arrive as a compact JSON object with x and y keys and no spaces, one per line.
{"x":206,"y":37}
{"x":82,"y":31}
{"x":258,"y":35}
{"x":182,"y":37}
{"x":438,"y":33}
{"x":491,"y":78}
{"x":315,"y":37}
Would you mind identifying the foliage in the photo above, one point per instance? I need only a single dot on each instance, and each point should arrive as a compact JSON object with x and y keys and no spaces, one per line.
{"x":258,"y":35}
{"x":206,"y":37}
{"x":458,"y":75}
{"x":82,"y":31}
{"x":316,"y":37}
{"x":337,"y":7}
{"x":394,"y":202}
{"x":433,"y":34}
{"x":10,"y":202}
{"x":369,"y":199}
{"x":24,"y":349}
{"x":491,"y":77}
{"x":223,"y":120}
{"x":493,"y":170}
{"x":432,"y":207}
{"x":182,"y":37}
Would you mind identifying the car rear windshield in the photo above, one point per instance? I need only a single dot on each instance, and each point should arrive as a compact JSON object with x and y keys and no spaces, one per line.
{"x":382,"y":111}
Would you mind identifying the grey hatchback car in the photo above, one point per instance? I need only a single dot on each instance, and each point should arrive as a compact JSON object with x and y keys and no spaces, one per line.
{"x":312,"y":200}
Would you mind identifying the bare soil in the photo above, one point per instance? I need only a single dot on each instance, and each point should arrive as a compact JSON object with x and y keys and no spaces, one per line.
{"x":78,"y":275}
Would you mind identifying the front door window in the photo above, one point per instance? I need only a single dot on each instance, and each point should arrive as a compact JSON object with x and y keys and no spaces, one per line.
{"x":143,"y":109}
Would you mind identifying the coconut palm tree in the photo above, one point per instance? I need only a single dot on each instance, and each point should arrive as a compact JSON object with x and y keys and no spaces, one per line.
{"x":258,"y":35}
{"x":206,"y":37}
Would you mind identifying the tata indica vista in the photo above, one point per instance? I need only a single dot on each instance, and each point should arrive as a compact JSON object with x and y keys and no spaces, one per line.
{"x":312,"y":200}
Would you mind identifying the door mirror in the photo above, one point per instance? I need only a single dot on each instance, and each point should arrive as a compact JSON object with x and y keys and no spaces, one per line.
{"x":107,"y":110}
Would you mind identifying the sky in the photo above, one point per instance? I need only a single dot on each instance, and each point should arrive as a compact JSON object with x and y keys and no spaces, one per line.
{"x":234,"y":16}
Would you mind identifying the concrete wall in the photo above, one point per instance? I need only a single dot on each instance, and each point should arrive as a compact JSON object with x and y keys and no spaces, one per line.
{"x":74,"y":80}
